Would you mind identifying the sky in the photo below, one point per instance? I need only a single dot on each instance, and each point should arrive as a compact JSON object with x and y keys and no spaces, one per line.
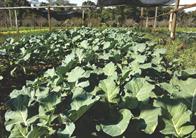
{"x":79,"y":2}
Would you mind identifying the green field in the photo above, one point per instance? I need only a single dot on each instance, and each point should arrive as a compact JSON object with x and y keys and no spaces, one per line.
{"x":185,"y":56}
{"x":98,"y":83}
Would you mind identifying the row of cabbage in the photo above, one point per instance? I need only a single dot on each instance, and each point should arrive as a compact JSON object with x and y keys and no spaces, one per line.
{"x":110,"y":83}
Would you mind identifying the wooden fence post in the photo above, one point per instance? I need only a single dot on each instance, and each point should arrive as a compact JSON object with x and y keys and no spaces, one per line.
{"x":89,"y":17}
{"x":16,"y":21}
{"x":10,"y":18}
{"x":83,"y":17}
{"x":147,"y":22}
{"x":173,"y":32}
{"x":142,"y":16}
{"x":155,"y":18}
{"x":49,"y":19}
{"x":170,"y":21}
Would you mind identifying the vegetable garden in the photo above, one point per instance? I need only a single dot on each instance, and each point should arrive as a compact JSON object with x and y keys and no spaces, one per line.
{"x":100,"y":83}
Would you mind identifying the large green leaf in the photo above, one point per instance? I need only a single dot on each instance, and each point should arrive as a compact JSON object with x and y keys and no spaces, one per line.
{"x":107,"y":45}
{"x":18,"y":132}
{"x":139,"y":47}
{"x":15,"y":118}
{"x":17,"y":115}
{"x":176,"y":118}
{"x":81,"y":103}
{"x":150,"y":116}
{"x":50,"y":73}
{"x":24,"y":91}
{"x":76,"y":74}
{"x":194,"y":134}
{"x":136,"y":68}
{"x":139,"y":58}
{"x":184,"y":90}
{"x":84,"y":44}
{"x":186,"y":73}
{"x":140,"y":89}
{"x":111,"y":90}
{"x":119,"y":128}
{"x":110,"y":70}
{"x":188,"y":92}
{"x":38,"y":132}
{"x":68,"y":131}
{"x":49,"y":103}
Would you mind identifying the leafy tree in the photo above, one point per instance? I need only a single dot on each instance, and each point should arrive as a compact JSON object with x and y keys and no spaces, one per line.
{"x":88,"y":3}
{"x":12,"y":3}
{"x":62,"y":2}
{"x":89,"y":10}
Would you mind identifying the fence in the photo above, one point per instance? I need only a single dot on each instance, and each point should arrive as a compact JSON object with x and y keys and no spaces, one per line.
{"x":172,"y":14}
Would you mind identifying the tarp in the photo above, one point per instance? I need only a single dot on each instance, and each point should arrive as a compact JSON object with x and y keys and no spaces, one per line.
{"x":142,"y":3}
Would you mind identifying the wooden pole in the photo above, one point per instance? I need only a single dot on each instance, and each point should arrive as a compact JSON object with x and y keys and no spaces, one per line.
{"x":83,"y":17}
{"x":142,"y":16}
{"x":155,"y":19}
{"x":170,"y":21}
{"x":173,"y":32}
{"x":49,"y":19}
{"x":142,"y":12}
{"x":33,"y":21}
{"x":89,"y":17}
{"x":147,"y":22}
{"x":10,"y":18}
{"x":16,"y":21}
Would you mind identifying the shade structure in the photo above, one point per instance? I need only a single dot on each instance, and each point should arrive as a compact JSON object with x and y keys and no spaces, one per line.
{"x":59,"y":15}
{"x":142,"y":3}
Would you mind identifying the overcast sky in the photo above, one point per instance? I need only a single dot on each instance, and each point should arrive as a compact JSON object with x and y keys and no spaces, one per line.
{"x":79,"y":2}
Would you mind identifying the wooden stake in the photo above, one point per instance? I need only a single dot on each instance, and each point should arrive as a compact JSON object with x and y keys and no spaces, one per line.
{"x":173,"y":32}
{"x":49,"y":19}
{"x":16,"y":22}
{"x":10,"y":18}
{"x":83,"y":17}
{"x":155,"y":19}
{"x":33,"y":21}
{"x":89,"y":17}
{"x":142,"y":12}
{"x":142,"y":16}
{"x":170,"y":21}
{"x":147,"y":21}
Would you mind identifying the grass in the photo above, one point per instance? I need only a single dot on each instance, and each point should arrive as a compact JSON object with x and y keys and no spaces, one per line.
{"x":182,"y":49}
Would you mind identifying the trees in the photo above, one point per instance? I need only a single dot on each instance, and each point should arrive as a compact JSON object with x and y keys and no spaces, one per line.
{"x":12,"y":3}
{"x":89,"y":10}
{"x":62,"y":2}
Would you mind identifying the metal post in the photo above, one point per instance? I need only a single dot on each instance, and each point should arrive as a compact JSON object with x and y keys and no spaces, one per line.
{"x":16,"y":21}
{"x":49,"y":19}
{"x":173,"y":32}
{"x":155,"y":19}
